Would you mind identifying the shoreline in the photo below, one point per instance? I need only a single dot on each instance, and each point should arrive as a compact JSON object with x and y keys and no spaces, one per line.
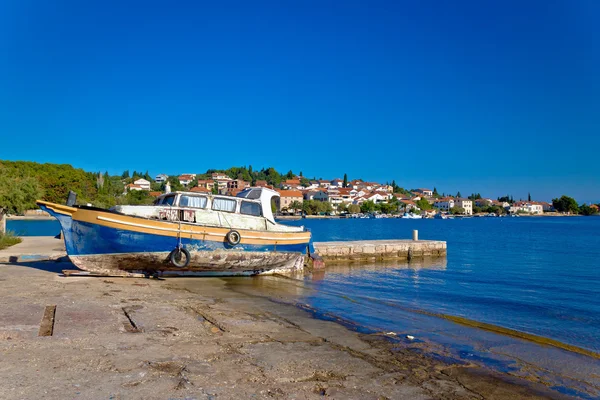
{"x":229,"y":338}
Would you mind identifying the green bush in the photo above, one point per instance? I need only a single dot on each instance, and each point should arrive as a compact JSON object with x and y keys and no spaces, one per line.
{"x":8,"y":239}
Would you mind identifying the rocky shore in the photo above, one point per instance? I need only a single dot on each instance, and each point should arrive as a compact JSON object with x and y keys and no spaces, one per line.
{"x":206,"y":339}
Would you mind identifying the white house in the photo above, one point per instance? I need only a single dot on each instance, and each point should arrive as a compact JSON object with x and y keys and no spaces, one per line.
{"x":334,"y":198}
{"x":131,"y":187}
{"x":444,"y":204}
{"x":185,"y":179}
{"x":408,"y":205}
{"x":336,"y":183}
{"x":313,"y":185}
{"x":465,"y":204}
{"x":143,"y":184}
{"x":376,"y":197}
{"x":425,"y":192}
{"x":528,"y":207}
{"x":160,"y":178}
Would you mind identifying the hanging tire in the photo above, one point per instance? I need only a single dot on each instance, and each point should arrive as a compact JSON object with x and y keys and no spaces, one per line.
{"x":180,"y":257}
{"x":233,"y":237}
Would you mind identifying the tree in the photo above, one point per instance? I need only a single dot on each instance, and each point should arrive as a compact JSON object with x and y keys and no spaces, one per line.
{"x":565,"y":204}
{"x":125,"y":174}
{"x":388,"y":208}
{"x":435,"y":192}
{"x":325,"y":206}
{"x":345,"y":184}
{"x":457,"y":210}
{"x":137,"y":197}
{"x":18,"y":194}
{"x":295,"y":206}
{"x":528,"y":196}
{"x":423,"y":204}
{"x":584,"y":209}
{"x":342,"y":208}
{"x":367,"y":207}
{"x":353,"y":208}
{"x":458,"y":195}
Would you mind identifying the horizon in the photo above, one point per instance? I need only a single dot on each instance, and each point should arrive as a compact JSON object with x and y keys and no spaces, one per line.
{"x":494,"y":99}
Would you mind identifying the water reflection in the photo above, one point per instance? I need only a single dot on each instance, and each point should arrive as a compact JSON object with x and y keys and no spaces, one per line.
{"x":434,"y":264}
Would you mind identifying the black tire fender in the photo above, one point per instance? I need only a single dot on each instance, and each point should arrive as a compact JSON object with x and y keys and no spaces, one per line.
{"x":233,"y":237}
{"x":177,"y":259}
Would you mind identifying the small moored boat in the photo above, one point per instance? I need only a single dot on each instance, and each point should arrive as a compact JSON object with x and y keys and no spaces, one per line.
{"x":182,"y":233}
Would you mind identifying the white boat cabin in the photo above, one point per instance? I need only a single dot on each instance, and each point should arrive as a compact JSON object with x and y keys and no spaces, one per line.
{"x":250,"y":209}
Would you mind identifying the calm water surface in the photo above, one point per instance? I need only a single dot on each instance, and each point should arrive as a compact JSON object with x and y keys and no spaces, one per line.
{"x":536,"y":275}
{"x":33,"y":227}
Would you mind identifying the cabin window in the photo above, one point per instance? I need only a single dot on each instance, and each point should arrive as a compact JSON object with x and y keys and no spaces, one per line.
{"x":193,"y":201}
{"x":224,"y":205}
{"x":249,"y":208}
{"x":168,"y":200}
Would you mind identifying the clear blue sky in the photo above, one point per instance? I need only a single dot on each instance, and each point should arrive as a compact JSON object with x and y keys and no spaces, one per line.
{"x":494,"y":96}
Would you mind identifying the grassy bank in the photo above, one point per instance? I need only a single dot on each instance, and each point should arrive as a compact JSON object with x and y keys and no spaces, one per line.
{"x":8,"y":239}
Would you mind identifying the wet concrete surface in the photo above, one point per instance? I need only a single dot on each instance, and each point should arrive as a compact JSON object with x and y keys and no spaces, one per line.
{"x":202,"y":338}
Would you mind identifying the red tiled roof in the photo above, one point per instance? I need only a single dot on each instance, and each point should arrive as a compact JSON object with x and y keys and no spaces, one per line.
{"x":290,"y":193}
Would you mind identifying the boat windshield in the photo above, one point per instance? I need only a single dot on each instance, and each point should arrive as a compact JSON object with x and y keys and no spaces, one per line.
{"x":168,"y":200}
{"x":252,"y":194}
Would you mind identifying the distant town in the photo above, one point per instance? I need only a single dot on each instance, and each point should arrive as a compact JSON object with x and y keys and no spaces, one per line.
{"x":299,"y":195}
{"x":23,"y":182}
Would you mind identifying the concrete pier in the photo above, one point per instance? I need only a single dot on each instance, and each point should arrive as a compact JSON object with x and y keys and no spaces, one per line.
{"x":367,"y":250}
{"x":34,"y":248}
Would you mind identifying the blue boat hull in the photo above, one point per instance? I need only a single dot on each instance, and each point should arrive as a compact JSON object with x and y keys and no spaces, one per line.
{"x":109,"y":250}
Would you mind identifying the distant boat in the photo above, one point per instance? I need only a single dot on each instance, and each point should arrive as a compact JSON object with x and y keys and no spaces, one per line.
{"x":183,"y":233}
{"x":411,"y":216}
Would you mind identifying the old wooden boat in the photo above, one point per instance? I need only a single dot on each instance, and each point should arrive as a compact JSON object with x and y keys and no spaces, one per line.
{"x":182,"y":233}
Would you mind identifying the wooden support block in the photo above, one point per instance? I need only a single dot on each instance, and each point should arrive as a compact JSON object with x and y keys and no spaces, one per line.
{"x":47,"y":323}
